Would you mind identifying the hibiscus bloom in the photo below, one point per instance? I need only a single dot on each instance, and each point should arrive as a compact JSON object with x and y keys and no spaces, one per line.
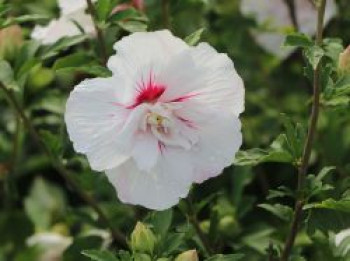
{"x":275,"y":21}
{"x":72,"y":13}
{"x":167,"y":117}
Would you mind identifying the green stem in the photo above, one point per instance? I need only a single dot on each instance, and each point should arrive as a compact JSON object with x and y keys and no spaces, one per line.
{"x":192,"y":217}
{"x":118,"y":237}
{"x":298,"y":209}
{"x":99,"y":32}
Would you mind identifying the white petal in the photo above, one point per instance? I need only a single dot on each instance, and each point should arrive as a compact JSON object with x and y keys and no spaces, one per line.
{"x":158,"y":189}
{"x":94,"y":121}
{"x":69,"y":6}
{"x":141,"y":54}
{"x":145,"y":151}
{"x":207,"y":75}
{"x":63,"y":27}
{"x":219,"y":142}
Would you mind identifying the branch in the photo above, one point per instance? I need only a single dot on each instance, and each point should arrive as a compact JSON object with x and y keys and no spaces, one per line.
{"x":298,"y":209}
{"x":118,"y":237}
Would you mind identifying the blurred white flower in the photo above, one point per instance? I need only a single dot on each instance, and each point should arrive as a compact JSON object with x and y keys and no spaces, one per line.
{"x":167,"y":117}
{"x":50,"y":244}
{"x":340,"y":238}
{"x":273,"y":16}
{"x":72,"y":14}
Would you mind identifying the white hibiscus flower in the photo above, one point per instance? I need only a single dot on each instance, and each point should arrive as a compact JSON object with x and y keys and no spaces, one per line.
{"x":274,"y":16}
{"x":72,"y":13}
{"x":167,"y":117}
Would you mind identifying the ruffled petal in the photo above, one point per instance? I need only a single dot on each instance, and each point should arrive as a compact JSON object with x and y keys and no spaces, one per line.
{"x":204,"y":75}
{"x":94,"y":121}
{"x":219,"y":141}
{"x":145,"y":151}
{"x":141,"y":56}
{"x":158,"y":189}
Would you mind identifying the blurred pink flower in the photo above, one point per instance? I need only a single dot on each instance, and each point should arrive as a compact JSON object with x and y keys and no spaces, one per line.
{"x":275,"y":21}
{"x":167,"y":117}
{"x":137,"y":4}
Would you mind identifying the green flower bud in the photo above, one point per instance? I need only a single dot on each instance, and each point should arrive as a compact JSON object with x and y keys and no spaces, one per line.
{"x":228,"y":225}
{"x":190,"y":255}
{"x":142,"y":257}
{"x":344,"y":61}
{"x":142,"y":239}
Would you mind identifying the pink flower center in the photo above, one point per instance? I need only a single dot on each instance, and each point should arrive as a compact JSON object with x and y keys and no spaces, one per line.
{"x":148,"y":92}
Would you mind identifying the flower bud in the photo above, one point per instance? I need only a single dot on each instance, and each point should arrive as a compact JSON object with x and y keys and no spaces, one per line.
{"x":344,"y":61}
{"x":142,"y":239}
{"x":190,"y":255}
{"x":11,"y":38}
{"x":142,"y":257}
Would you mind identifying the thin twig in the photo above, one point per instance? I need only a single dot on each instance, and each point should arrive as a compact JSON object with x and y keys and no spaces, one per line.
{"x":99,"y":32}
{"x":118,"y":237}
{"x":298,"y":209}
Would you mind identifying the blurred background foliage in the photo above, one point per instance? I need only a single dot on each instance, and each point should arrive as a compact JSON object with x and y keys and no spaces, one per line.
{"x":35,"y":200}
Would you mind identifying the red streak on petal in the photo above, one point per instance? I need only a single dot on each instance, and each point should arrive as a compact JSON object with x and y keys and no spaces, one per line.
{"x":148,"y":92}
{"x":189,"y":123}
{"x":184,"y":98}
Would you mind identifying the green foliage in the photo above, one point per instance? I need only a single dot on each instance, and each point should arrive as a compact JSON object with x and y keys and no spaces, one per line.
{"x":244,"y":213}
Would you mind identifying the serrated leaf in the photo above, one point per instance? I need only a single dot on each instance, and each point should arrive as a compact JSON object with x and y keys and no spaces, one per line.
{"x":100,"y":255}
{"x":276,"y":153}
{"x":342,"y":205}
{"x":281,"y":211}
{"x":195,"y":37}
{"x":314,"y":55}
{"x":298,"y":40}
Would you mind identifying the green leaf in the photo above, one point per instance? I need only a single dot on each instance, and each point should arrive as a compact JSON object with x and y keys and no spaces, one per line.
{"x":100,"y":255}
{"x":276,"y":153}
{"x":103,"y":9}
{"x":342,"y":205}
{"x":62,"y":45}
{"x":7,"y":76}
{"x":333,"y":47}
{"x":130,"y":13}
{"x":195,"y":37}
{"x":314,"y":55}
{"x":160,"y":221}
{"x":133,"y":26}
{"x":24,"y":19}
{"x":324,"y":172}
{"x":327,"y":220}
{"x":220,"y":257}
{"x":281,"y":211}
{"x":298,"y":40}
{"x":52,"y":141}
